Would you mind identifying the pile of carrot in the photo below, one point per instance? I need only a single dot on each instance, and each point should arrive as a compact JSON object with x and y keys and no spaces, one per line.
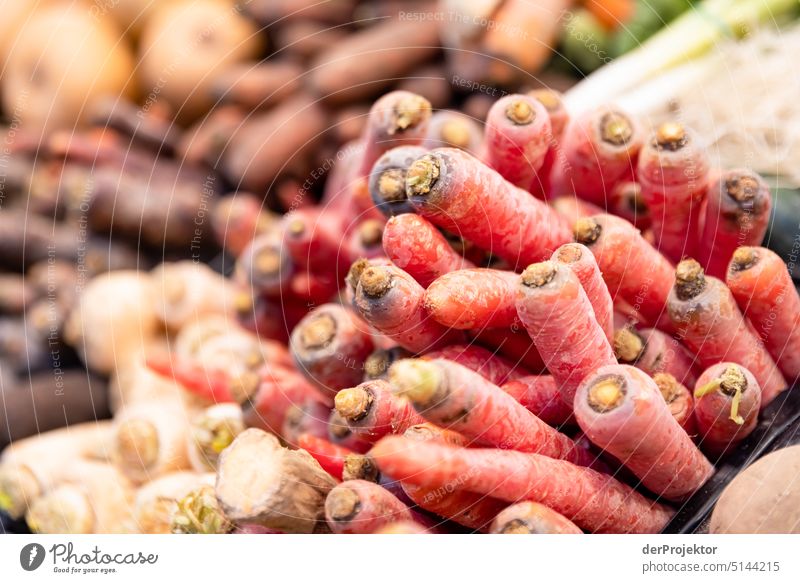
{"x":559,"y":327}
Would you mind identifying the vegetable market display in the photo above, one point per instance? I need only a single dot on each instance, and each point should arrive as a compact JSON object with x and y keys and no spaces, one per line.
{"x":554,"y":317}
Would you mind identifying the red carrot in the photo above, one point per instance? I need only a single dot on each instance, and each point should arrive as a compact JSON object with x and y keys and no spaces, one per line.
{"x":764,"y":290}
{"x":622,"y":411}
{"x":559,"y":118}
{"x":512,"y":343}
{"x":269,"y":317}
{"x":399,"y":118}
{"x":468,"y":509}
{"x":532,"y":518}
{"x":583,"y":264}
{"x":456,"y":191}
{"x":704,"y":311}
{"x":362,"y":507}
{"x":559,"y":318}
{"x":312,"y":239}
{"x":474,"y":298}
{"x":539,"y":394}
{"x":311,"y":288}
{"x":330,"y":456}
{"x":490,"y":366}
{"x":354,"y":274}
{"x":679,"y":400}
{"x":737,"y":214}
{"x":387,"y":179}
{"x":366,"y":240}
{"x":600,"y":149}
{"x":453,"y":396}
{"x":453,"y":129}
{"x":573,"y":208}
{"x":330,"y":346}
{"x":516,"y":138}
{"x":263,"y":266}
{"x":632,"y":269}
{"x":377,"y":364}
{"x":727,"y":401}
{"x":594,"y":501}
{"x":626,"y":201}
{"x":673,"y":173}
{"x":653,"y":351}
{"x":392,"y":302}
{"x":277,"y":391}
{"x":416,"y":246}
{"x":237,"y":219}
{"x":372,"y":411}
{"x":340,"y":434}
{"x":307,"y":418}
{"x":208,"y":384}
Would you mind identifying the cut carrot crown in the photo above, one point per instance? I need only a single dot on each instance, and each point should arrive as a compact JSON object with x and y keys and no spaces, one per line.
{"x":587,"y":231}
{"x":353,"y":404}
{"x":744,"y":258}
{"x":615,"y":128}
{"x":690,"y":280}
{"x":375,"y":281}
{"x":539,"y":274}
{"x":342,"y":504}
{"x":520,"y":112}
{"x":422,"y":175}
{"x":606,"y":393}
{"x":417,"y":380}
{"x":671,"y":136}
{"x":628,"y":345}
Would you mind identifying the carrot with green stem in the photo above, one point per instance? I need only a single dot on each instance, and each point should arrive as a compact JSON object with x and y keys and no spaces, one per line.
{"x":673,"y":172}
{"x":727,"y":402}
{"x":764,"y":290}
{"x":654,"y":351}
{"x":532,"y":518}
{"x":198,"y":512}
{"x":391,"y":301}
{"x":632,"y":269}
{"x":581,"y":261}
{"x":708,"y":320}
{"x":362,"y":507}
{"x":455,"y":397}
{"x":539,"y":394}
{"x":416,"y":246}
{"x":458,"y":192}
{"x":516,"y":138}
{"x":600,"y":149}
{"x":556,"y":311}
{"x":473,"y":298}
{"x":621,"y":410}
{"x":489,"y":365}
{"x":595,"y":502}
{"x":371,"y":410}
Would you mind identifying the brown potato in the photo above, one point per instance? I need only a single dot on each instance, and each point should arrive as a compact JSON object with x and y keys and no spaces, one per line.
{"x":764,"y":498}
{"x":185,"y":47}
{"x":62,"y":59}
